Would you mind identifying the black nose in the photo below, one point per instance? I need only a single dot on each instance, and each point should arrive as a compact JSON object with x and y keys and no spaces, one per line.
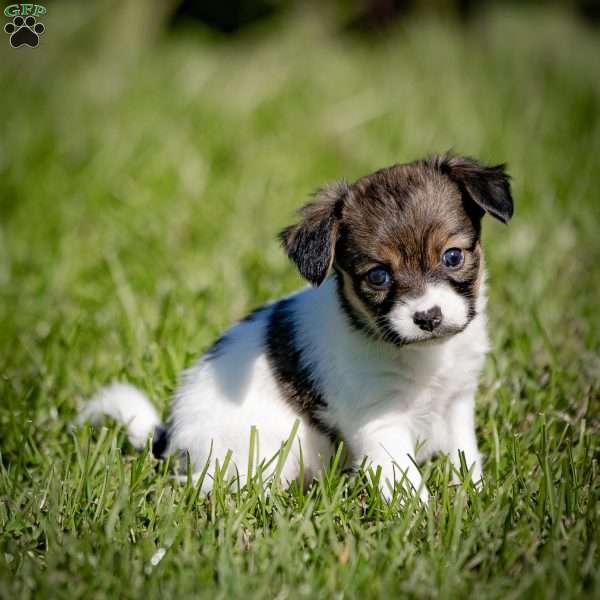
{"x":428,"y":320}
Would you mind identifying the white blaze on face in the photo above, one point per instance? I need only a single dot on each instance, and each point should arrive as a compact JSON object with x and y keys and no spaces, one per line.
{"x":455,"y":311}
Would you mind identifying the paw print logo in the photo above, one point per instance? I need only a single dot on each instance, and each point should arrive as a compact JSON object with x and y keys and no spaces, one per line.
{"x":24,"y":31}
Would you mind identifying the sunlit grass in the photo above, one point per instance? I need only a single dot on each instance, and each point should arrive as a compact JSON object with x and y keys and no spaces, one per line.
{"x":141,"y":190}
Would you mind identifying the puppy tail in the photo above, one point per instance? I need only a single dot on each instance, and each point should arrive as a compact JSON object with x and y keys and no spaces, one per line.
{"x":130,"y":407}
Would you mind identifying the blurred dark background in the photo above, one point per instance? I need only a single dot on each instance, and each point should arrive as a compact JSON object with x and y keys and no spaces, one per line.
{"x":359,"y":15}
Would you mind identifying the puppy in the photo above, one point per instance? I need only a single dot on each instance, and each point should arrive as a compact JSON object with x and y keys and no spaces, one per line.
{"x":384,"y":352}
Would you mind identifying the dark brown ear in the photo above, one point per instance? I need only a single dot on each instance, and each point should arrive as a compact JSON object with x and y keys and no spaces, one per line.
{"x":487,"y":186}
{"x":311,"y":242}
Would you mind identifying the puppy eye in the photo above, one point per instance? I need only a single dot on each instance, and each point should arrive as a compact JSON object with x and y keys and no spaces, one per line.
{"x":379,"y":277}
{"x":453,"y":258}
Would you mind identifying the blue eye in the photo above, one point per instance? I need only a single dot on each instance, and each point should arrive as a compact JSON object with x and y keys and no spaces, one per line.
{"x":453,"y":258}
{"x":379,"y":277}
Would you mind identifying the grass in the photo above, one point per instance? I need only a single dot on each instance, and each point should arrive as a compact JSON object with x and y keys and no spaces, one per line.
{"x":142,"y":182}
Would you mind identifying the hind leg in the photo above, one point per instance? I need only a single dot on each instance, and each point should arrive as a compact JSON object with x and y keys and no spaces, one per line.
{"x":213,"y":430}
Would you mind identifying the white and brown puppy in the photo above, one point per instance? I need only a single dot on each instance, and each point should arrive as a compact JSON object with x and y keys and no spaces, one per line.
{"x":384,"y":352}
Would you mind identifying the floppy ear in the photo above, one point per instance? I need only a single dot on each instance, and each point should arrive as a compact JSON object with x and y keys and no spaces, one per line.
{"x":487,"y":186}
{"x":311,"y":242}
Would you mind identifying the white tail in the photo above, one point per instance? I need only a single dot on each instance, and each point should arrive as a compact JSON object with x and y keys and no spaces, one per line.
{"x":126,"y":405}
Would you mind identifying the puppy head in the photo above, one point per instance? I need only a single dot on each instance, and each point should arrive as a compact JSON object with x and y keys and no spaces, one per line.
{"x":404,"y":243}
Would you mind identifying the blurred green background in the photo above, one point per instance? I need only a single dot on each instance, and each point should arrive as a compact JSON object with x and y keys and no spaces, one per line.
{"x":150,"y":152}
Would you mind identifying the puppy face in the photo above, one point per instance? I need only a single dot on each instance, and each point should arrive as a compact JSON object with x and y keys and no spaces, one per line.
{"x":404,"y":243}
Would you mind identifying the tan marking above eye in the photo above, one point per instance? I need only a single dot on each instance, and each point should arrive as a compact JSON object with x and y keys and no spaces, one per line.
{"x":463,"y":242}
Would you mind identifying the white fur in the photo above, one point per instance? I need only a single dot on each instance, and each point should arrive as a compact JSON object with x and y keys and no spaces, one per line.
{"x":384,"y":400}
{"x":126,"y":405}
{"x":453,"y":306}
{"x":220,"y":399}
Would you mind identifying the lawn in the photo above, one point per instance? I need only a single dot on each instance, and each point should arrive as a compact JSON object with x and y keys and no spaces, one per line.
{"x":144,"y":176}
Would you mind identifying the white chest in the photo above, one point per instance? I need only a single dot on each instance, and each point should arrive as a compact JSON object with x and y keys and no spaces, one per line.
{"x":369,"y":385}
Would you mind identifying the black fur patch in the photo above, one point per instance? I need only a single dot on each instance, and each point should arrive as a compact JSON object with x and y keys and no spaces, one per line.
{"x":311,"y":250}
{"x":160,"y":442}
{"x":311,"y":242}
{"x":355,"y":319}
{"x":293,"y":378}
{"x":487,"y":186}
{"x":465,"y":289}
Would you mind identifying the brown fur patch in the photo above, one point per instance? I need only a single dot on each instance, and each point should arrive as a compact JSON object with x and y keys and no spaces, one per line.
{"x":403,"y":219}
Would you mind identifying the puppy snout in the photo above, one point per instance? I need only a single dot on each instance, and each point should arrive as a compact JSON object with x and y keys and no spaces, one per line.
{"x":428,"y":320}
